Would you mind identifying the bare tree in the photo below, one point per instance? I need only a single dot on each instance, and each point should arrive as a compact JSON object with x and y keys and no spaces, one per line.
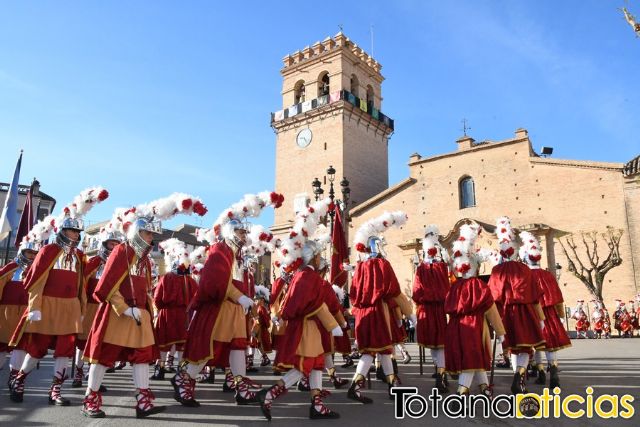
{"x":591,"y":263}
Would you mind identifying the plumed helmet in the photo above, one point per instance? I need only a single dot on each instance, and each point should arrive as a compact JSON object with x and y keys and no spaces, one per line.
{"x":136,"y":241}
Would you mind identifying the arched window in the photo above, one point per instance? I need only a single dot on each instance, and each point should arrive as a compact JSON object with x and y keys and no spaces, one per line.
{"x":467,"y":192}
{"x":299,"y":94}
{"x":355,"y":84}
{"x":323,"y":84}
{"x":370,"y":97}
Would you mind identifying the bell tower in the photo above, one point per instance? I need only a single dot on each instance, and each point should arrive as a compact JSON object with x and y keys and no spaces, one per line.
{"x":331,"y":116}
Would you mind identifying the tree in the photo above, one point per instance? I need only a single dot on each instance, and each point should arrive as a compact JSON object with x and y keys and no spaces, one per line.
{"x":586,"y":264}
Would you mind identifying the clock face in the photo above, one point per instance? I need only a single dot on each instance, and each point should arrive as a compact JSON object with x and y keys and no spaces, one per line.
{"x":304,"y":138}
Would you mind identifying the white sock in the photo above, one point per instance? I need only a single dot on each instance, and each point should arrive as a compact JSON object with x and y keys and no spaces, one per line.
{"x":552,"y":357}
{"x":194,"y":369}
{"x":29,"y":363}
{"x":163,"y":357}
{"x":523,"y":360}
{"x":79,"y":361}
{"x":466,"y":378}
{"x":364,"y":364}
{"x":387,"y":364}
{"x":3,"y":359}
{"x":172,"y":350}
{"x":537,"y":357}
{"x":96,"y":375}
{"x":514,"y":362}
{"x":60,"y":365}
{"x":250,"y":351}
{"x":178,"y":357}
{"x":291,"y":377}
{"x":437,"y":354}
{"x":315,"y":379}
{"x":238,"y":363}
{"x":499,"y":349}
{"x":328,"y":361}
{"x":17,"y":359}
{"x":141,"y":375}
{"x":480,"y":377}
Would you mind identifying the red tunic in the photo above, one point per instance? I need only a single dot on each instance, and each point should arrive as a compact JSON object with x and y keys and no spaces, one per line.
{"x":215,"y":279}
{"x":13,"y":302}
{"x":117,"y":276}
{"x":516,"y":294}
{"x":62,"y":291}
{"x":93,"y":265}
{"x":172,"y":296}
{"x":264,"y":323}
{"x":465,"y":339}
{"x":555,"y":335}
{"x":303,"y":300}
{"x":374,"y":284}
{"x":430,"y":288}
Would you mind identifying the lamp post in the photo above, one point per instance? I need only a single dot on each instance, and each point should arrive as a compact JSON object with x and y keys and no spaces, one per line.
{"x":318,"y":191}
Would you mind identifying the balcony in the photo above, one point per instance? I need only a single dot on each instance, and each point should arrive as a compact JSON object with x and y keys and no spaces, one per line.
{"x":342,"y":95}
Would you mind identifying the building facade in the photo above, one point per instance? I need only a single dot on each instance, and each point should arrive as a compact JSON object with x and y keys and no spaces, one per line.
{"x":552,"y":198}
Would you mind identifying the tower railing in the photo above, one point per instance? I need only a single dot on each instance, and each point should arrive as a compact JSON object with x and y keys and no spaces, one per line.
{"x":342,"y":95}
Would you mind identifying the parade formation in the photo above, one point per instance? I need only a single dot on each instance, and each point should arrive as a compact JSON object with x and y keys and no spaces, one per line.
{"x":207,"y":312}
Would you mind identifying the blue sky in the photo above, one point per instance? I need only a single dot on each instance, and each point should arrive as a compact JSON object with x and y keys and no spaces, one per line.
{"x":150,"y":97}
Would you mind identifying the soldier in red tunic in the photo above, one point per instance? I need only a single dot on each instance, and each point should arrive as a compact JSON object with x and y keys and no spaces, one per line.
{"x":122,"y":328}
{"x":374,"y":289}
{"x":430,"y":288}
{"x":555,"y":335}
{"x":471,"y":310}
{"x":517,"y":298}
{"x":109,"y":238}
{"x":172,"y":296}
{"x":262,"y":324}
{"x":55,"y":284}
{"x":582,"y":319}
{"x":14,"y":300}
{"x":218,"y":332}
{"x":598,"y":318}
{"x":306,"y":313}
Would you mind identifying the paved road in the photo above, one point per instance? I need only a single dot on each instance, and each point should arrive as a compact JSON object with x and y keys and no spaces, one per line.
{"x":611,"y":366}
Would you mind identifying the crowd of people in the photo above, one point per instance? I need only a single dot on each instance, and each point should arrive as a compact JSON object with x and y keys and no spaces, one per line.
{"x":625,"y":319}
{"x":207,"y":313}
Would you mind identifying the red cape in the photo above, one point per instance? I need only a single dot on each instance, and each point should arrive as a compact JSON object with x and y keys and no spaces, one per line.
{"x":115,"y":276}
{"x":373,"y":280}
{"x":38,"y":272}
{"x":303,"y":298}
{"x":551,"y":293}
{"x":212,"y":290}
{"x":511,"y":283}
{"x":431,"y":283}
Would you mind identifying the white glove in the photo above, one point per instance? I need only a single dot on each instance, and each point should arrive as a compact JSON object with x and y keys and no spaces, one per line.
{"x":134,"y":313}
{"x":413,"y":320}
{"x":500,"y":339}
{"x":337,"y":331}
{"x":399,"y":323}
{"x":246,"y":303}
{"x":542,"y":325}
{"x":34,"y":316}
{"x":562,"y":320}
{"x":275,"y":320}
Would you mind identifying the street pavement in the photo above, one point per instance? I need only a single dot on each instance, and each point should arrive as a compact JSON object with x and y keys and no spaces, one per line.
{"x":609,"y":366}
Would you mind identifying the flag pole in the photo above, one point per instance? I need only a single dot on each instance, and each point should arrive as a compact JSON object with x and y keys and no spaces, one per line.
{"x":6,"y":250}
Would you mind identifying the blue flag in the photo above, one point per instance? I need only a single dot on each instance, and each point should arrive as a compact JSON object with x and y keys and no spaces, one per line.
{"x":10,"y":219}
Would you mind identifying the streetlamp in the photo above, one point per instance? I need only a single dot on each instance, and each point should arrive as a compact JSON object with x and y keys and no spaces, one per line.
{"x":318,"y":191}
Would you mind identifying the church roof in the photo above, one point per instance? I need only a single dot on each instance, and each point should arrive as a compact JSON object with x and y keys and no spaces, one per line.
{"x":381,"y":196}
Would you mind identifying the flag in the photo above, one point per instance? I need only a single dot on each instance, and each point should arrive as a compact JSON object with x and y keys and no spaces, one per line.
{"x":340,"y":252}
{"x":26,"y":220}
{"x":9,"y":220}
